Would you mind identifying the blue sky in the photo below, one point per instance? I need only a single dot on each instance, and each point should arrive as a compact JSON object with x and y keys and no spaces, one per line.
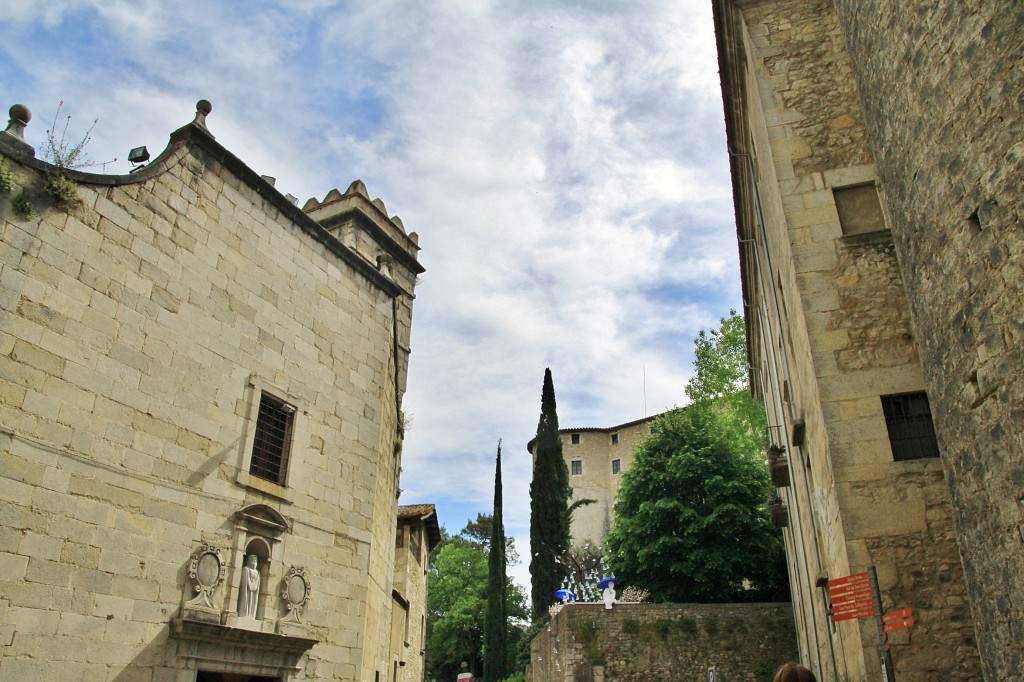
{"x":564,"y":164}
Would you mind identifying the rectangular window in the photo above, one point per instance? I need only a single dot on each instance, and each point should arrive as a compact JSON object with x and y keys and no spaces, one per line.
{"x":414,"y":542}
{"x":576,"y":467}
{"x":859,"y":209}
{"x":575,"y":439}
{"x":398,"y":536}
{"x":909,"y":421}
{"x":615,"y":439}
{"x":616,"y":466}
{"x":273,"y":440}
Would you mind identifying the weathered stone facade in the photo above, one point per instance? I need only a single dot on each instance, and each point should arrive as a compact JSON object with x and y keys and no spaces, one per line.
{"x":831,"y":338}
{"x":942,"y":86}
{"x":665,"y":642}
{"x":601,"y":455}
{"x":417,"y":535}
{"x":146,"y":336}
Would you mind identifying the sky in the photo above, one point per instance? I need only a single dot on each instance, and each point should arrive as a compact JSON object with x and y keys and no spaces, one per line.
{"x":563,"y":163}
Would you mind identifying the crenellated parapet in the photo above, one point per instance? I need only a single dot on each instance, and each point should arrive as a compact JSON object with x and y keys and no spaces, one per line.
{"x":363,"y":225}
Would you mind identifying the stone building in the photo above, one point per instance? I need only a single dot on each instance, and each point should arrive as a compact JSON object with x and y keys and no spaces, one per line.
{"x":876,"y":154}
{"x":200,"y":422}
{"x":417,"y":535}
{"x":595,"y":458}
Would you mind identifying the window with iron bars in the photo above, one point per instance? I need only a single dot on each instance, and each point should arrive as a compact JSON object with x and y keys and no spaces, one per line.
{"x":273,"y":440}
{"x":909,"y":421}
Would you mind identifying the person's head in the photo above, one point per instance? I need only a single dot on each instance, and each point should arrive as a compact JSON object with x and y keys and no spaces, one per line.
{"x":794,"y":672}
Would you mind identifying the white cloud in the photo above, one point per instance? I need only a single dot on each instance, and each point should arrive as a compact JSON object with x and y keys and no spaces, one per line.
{"x":564,"y":166}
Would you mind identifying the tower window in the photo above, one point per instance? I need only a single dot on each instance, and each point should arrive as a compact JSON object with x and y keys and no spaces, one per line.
{"x":909,"y":421}
{"x":615,"y":439}
{"x":574,"y":439}
{"x":616,"y":466}
{"x":576,"y":467}
{"x":273,"y":439}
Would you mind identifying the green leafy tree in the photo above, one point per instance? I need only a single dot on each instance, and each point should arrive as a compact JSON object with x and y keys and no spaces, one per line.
{"x":496,"y":624}
{"x":690,"y":517}
{"x":456,"y":605}
{"x":549,"y":501}
{"x":721,"y":379}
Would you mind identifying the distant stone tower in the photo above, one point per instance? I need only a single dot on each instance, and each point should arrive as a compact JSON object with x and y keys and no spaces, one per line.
{"x":596,"y":458}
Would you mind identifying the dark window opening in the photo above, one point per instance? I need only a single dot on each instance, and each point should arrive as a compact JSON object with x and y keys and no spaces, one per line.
{"x":577,"y":467}
{"x":616,"y":466}
{"x":615,"y":439}
{"x":575,"y":439}
{"x":273,"y":439}
{"x":909,"y":421}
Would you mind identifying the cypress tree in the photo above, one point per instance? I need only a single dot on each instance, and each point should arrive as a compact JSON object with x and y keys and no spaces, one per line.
{"x":496,"y":623}
{"x":549,"y":500}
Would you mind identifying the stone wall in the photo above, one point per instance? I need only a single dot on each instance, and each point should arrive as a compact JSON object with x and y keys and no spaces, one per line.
{"x":943,"y":87}
{"x":137,"y":331}
{"x":830,"y":332}
{"x":665,"y":642}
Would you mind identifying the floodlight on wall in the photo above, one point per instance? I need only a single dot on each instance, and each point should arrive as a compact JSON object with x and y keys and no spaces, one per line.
{"x":139,"y":155}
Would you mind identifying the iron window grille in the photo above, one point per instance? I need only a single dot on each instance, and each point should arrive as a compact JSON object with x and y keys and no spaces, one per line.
{"x":909,"y":421}
{"x":273,"y":440}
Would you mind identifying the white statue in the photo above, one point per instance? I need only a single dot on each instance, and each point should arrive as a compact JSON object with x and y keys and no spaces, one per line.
{"x":249,"y":589}
{"x":609,"y":595}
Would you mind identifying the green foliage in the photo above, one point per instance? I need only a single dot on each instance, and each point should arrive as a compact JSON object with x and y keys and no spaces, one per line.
{"x":687,"y":626}
{"x":522,"y":648}
{"x":457,"y":604}
{"x":6,"y":178}
{"x":690,"y":520}
{"x":631,"y":626}
{"x":763,"y":672}
{"x":549,"y":502}
{"x":22,"y":205}
{"x":496,"y":654}
{"x":586,"y":633}
{"x":61,"y":190}
{"x":721,"y":378}
{"x":690,"y":517}
{"x":711,"y":626}
{"x":516,"y":677}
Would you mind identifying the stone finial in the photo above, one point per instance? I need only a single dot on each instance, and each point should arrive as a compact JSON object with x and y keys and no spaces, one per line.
{"x":20,"y":116}
{"x":380,"y":206}
{"x":203,"y":109}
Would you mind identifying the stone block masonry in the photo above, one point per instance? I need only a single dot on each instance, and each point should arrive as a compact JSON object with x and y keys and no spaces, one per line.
{"x":139,"y":332}
{"x":665,"y":642}
{"x":942,"y":84}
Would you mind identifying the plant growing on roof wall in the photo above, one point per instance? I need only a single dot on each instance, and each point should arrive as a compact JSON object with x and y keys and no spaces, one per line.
{"x":64,"y":155}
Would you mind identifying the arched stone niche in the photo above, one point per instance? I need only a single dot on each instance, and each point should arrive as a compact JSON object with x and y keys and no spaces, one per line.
{"x":258,"y":532}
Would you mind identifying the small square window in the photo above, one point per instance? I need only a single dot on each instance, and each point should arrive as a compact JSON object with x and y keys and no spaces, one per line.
{"x":908,"y":419}
{"x":399,"y":536}
{"x":273,"y":440}
{"x":859,"y":208}
{"x":615,"y":439}
{"x":574,"y":439}
{"x":616,"y":466}
{"x":576,"y":467}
